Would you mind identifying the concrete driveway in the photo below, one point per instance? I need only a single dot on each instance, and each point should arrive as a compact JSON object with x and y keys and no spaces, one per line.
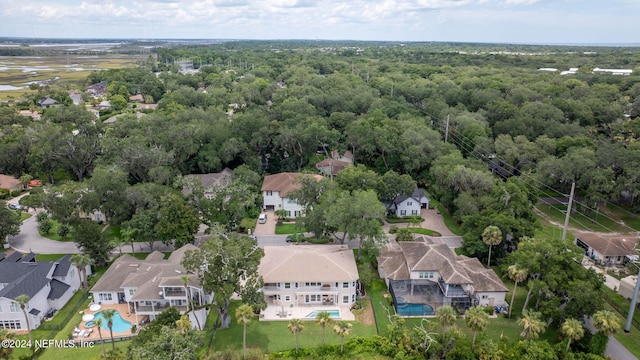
{"x":268,"y":228}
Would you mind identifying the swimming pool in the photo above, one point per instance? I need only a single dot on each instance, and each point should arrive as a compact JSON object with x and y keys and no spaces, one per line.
{"x":408,"y":309}
{"x":335,"y":314}
{"x":119,"y":324}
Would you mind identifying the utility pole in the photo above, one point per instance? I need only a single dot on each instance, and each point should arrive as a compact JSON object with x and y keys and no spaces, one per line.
{"x":446,"y":130}
{"x":634,"y":300}
{"x":568,"y":215}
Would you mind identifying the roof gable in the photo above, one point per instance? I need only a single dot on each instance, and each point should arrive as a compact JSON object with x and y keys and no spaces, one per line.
{"x":284,"y":183}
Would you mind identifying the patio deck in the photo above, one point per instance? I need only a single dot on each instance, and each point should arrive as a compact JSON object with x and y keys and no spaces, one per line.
{"x":123,"y":309}
{"x":274,"y":312}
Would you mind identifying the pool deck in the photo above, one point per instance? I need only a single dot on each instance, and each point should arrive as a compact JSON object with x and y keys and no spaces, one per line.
{"x":274,"y":312}
{"x":93,"y":335}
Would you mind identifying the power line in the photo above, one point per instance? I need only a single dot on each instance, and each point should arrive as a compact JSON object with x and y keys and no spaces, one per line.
{"x":469,"y":146}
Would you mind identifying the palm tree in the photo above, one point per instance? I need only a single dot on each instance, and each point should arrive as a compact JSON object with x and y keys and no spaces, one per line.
{"x":22,"y":300}
{"x":446,"y":317}
{"x":243,"y":314}
{"x":295,"y":325}
{"x":477,"y":321}
{"x":532,"y":325}
{"x":81,"y":261}
{"x":342,"y":329}
{"x":98,"y":323}
{"x":573,"y":330}
{"x":606,"y":322}
{"x":491,"y":235}
{"x":323,"y":319}
{"x":185,"y":282}
{"x":517,"y":274}
{"x":108,"y":317}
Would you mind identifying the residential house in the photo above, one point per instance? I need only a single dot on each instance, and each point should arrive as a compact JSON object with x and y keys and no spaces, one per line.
{"x":276,"y":189}
{"x":309,"y":275}
{"x":607,"y":250}
{"x":33,"y":114}
{"x":423,"y":276}
{"x":75,"y":96}
{"x":210,"y":182}
{"x":10,"y":183}
{"x":405,"y":205}
{"x":47,"y":102}
{"x":138,"y":98}
{"x":331,"y":167}
{"x":152,"y":285}
{"x":49,"y":285}
{"x":97,"y":90}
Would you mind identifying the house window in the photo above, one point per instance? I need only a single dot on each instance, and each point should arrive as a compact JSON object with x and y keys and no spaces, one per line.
{"x":0,"y":309}
{"x":287,"y":214}
{"x":287,"y":298}
{"x":15,"y":307}
{"x":409,"y":203}
{"x":132,"y":292}
{"x":296,"y":213}
{"x":345,"y":285}
{"x":414,"y":212}
{"x":353,"y":298}
{"x":425,"y":275}
{"x":345,"y":299}
{"x":312,"y":284}
{"x":313,"y":298}
{"x":105,"y":297}
{"x":11,"y":324}
{"x":484,"y":297}
{"x":291,"y":201}
{"x":268,"y":193}
{"x":403,"y":212}
{"x":287,"y":285}
{"x":353,"y":284}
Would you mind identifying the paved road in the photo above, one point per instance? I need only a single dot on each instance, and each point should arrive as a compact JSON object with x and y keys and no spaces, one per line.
{"x":29,"y":240}
{"x":615,"y":350}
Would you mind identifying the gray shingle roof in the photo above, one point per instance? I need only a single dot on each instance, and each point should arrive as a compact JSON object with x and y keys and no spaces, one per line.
{"x":58,"y":288}
{"x":63,"y":265}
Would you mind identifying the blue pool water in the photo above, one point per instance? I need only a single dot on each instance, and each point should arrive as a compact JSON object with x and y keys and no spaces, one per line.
{"x":335,"y":314}
{"x":119,"y":324}
{"x":407,"y":309}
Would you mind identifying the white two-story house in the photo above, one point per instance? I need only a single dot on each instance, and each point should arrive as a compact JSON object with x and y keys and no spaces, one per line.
{"x":275,"y":191}
{"x":405,"y":205}
{"x":49,"y":285}
{"x":309,"y":275}
{"x":152,"y":285}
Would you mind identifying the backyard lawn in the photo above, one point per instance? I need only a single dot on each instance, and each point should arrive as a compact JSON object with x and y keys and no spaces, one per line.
{"x":274,"y":336}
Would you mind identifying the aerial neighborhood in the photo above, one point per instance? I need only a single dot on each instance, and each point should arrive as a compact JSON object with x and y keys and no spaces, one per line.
{"x":348,"y":200}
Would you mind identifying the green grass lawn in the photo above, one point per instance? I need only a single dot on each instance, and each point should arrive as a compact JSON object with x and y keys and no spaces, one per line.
{"x":274,"y":336}
{"x":53,"y":232}
{"x":94,"y":352}
{"x":423,"y":231}
{"x":289,"y":229}
{"x":24,"y":216}
{"x":48,"y":257}
{"x":376,"y":291}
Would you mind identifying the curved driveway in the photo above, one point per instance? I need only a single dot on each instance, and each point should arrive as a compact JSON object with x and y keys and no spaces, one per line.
{"x":29,"y":240}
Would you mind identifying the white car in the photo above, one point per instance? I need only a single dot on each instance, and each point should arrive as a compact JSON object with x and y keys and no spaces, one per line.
{"x":262,"y":219}
{"x":15,"y":206}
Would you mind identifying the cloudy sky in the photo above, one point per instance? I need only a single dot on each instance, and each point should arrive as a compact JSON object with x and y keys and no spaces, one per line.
{"x":513,"y":21}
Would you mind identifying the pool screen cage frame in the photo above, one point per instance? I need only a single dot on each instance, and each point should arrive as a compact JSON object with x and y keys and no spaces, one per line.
{"x":432,"y":294}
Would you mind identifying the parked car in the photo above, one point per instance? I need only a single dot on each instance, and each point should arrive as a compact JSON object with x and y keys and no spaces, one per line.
{"x":262,"y":218}
{"x":295,"y":238}
{"x":15,"y":206}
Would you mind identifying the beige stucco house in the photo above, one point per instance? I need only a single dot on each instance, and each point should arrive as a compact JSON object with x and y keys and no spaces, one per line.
{"x":309,"y":275}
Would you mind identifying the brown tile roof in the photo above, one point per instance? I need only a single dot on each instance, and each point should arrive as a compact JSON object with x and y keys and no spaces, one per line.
{"x":399,"y":260}
{"x":333,"y":164}
{"x":222,"y":178}
{"x":308,"y":263}
{"x":284,"y":182}
{"x":610,"y":245}
{"x":9,"y":182}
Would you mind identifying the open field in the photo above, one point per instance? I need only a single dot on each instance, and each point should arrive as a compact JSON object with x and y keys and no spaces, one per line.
{"x":17,"y":72}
